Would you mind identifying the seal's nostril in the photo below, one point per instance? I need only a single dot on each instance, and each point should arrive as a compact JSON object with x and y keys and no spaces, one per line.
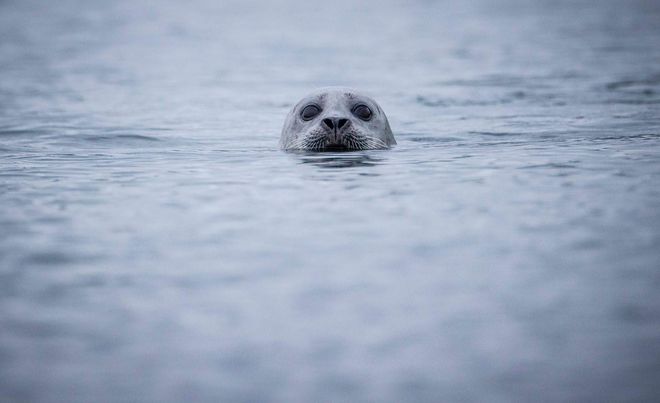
{"x":329,"y":123}
{"x":335,"y":123}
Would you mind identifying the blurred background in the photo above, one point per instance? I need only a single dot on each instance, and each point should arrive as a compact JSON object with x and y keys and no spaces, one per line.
{"x":156,"y":246}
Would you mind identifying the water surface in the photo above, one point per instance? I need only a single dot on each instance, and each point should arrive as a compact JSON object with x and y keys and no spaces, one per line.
{"x":155,"y":245}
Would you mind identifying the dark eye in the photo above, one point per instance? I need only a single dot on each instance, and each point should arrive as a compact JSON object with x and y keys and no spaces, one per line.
{"x":309,"y":112}
{"x":363,"y":112}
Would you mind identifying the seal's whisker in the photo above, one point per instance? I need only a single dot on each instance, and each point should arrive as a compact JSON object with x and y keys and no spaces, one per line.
{"x":377,"y":143}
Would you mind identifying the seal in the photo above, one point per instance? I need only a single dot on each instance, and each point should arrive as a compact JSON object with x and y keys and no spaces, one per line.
{"x":336,"y":119}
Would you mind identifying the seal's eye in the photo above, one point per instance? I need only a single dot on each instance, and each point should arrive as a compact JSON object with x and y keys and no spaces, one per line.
{"x":309,"y":112}
{"x":362,"y":111}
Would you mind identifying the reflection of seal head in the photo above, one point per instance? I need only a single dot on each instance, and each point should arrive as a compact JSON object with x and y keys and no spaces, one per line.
{"x":336,"y":119}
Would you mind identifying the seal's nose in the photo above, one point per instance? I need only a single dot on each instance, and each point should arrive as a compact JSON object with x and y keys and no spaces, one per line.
{"x":335,"y":124}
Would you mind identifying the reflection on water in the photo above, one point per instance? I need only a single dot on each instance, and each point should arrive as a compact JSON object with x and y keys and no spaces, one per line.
{"x":155,"y":245}
{"x":350,"y":159}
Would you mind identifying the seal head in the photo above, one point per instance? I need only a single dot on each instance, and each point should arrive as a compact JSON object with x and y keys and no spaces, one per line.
{"x":336,"y":119}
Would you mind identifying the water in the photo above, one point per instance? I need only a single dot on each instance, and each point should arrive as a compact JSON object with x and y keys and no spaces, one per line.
{"x":156,"y":245}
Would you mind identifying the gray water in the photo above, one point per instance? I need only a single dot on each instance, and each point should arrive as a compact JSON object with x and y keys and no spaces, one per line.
{"x":156,"y":246}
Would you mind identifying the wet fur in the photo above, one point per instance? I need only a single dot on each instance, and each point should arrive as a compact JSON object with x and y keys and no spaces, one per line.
{"x":313,"y":136}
